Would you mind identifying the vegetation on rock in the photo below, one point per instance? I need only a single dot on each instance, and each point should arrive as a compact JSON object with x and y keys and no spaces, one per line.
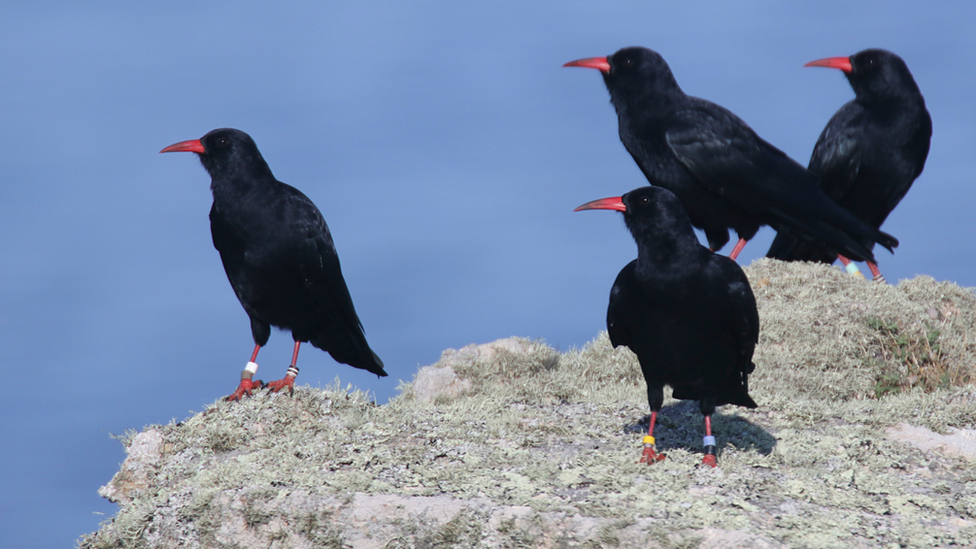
{"x":529,"y":446}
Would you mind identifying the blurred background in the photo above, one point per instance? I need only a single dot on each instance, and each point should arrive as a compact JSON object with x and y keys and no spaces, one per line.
{"x":444,"y":145}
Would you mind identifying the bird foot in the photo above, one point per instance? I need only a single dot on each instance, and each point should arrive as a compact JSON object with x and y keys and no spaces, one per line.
{"x":244,"y":389}
{"x":650,"y":456}
{"x":287,"y":381}
{"x":710,"y":460}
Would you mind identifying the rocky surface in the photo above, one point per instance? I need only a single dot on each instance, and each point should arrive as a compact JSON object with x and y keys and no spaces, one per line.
{"x":864,"y":438}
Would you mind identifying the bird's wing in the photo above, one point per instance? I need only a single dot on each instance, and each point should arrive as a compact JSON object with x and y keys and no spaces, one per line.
{"x":320,"y":266}
{"x":720,"y":150}
{"x":920,"y":141}
{"x":620,"y":312}
{"x":232,"y":248}
{"x":322,"y":274}
{"x":729,"y":159}
{"x":836,"y":158}
{"x":745,"y":325}
{"x":729,"y":290}
{"x":745,"y":315}
{"x":224,"y":238}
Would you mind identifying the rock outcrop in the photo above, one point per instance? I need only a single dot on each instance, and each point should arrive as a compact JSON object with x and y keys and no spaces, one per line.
{"x":861,"y":439}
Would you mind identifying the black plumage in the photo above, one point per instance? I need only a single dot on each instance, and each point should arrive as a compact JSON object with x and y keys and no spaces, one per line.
{"x":871,"y":150}
{"x":725,"y":175}
{"x":687,"y":313}
{"x":278,"y":255}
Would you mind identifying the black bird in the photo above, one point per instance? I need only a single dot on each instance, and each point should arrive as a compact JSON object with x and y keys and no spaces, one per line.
{"x":279,"y":258}
{"x":725,"y":175}
{"x":687,"y":313}
{"x":871,"y":151}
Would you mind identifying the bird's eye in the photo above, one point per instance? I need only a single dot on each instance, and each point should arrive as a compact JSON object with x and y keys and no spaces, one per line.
{"x":644,"y":200}
{"x":869,"y":64}
{"x":222,"y":141}
{"x":628,"y":62}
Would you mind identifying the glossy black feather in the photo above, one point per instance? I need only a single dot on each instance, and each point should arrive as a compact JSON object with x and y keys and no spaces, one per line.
{"x":687,"y":313}
{"x":725,"y":175}
{"x":871,"y":150}
{"x":278,"y":253}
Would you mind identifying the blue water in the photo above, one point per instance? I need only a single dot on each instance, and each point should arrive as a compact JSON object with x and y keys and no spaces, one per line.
{"x":446,"y":148}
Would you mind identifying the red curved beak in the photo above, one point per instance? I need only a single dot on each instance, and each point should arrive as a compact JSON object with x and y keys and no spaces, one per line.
{"x":599,"y":63}
{"x":612,"y":203}
{"x":842,"y":63}
{"x":193,"y":145}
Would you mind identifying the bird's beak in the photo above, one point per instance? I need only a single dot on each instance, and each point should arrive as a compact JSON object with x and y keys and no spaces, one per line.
{"x":612,"y":203}
{"x":193,"y":145}
{"x":599,"y":63}
{"x":842,"y":63}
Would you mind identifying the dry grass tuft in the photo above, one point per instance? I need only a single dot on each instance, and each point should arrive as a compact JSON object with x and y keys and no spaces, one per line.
{"x":830,"y":336}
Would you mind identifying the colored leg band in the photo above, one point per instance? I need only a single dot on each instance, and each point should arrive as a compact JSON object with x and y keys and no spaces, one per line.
{"x":248,"y":373}
{"x":852,"y":269}
{"x":292,"y":371}
{"x":709,"y":443}
{"x":648,"y":440}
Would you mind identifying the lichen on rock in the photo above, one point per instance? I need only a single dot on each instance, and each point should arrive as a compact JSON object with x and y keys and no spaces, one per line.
{"x":513,"y":444}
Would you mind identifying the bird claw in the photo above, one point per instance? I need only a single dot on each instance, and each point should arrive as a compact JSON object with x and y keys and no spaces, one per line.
{"x":710,"y":460}
{"x":245,"y":388}
{"x":288,"y":381}
{"x":650,"y":456}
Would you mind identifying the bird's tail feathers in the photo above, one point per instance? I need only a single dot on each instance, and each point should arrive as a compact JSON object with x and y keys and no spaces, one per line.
{"x":820,"y":230}
{"x":850,"y":224}
{"x":743,"y":400}
{"x":886,"y":240}
{"x":355,"y":353}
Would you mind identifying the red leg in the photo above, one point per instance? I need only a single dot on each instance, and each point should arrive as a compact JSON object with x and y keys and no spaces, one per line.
{"x":650,"y":455}
{"x":878,"y":277}
{"x":709,"y":441}
{"x":247,"y":383}
{"x":849,"y":266}
{"x":738,"y":248}
{"x":289,"y":379}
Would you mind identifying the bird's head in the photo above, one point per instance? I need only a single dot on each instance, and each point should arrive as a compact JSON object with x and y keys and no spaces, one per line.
{"x":874,"y":74}
{"x":224,"y":153}
{"x":633,"y":74}
{"x":651,"y":213}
